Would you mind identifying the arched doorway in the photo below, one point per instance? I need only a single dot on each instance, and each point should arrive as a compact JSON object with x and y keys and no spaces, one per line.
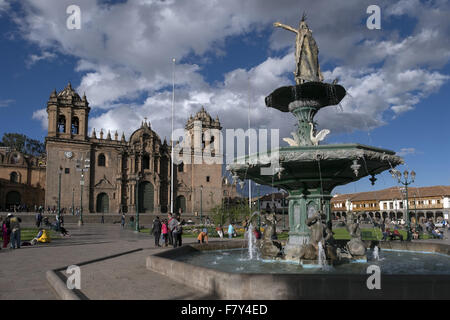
{"x":102,"y":203}
{"x":180,"y":203}
{"x":12,"y":199}
{"x":146,"y":197}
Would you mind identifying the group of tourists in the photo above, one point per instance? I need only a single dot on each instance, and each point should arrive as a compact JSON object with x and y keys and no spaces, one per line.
{"x":11,"y":231}
{"x":416,"y":230}
{"x":170,"y":230}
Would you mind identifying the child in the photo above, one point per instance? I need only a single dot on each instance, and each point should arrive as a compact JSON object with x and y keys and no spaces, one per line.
{"x":165,"y":232}
{"x":220,"y":231}
{"x":203,"y":236}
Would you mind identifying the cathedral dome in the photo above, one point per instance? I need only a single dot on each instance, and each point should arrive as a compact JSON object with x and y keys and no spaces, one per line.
{"x":144,"y":132}
{"x":68,"y":93}
{"x":205,"y":118}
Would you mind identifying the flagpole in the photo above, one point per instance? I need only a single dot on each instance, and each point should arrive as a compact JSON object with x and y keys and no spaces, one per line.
{"x":171,"y":139}
{"x":249,"y":143}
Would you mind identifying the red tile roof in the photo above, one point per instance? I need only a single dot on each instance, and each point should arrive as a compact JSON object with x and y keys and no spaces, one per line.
{"x":395,"y":193}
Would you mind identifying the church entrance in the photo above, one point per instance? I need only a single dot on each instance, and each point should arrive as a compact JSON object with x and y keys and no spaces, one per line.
{"x":146,"y":197}
{"x":102,"y":203}
{"x":12,"y":199}
{"x":180,"y":203}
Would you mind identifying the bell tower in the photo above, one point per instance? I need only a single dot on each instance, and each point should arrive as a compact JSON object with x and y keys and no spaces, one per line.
{"x":67,"y":115}
{"x":200,"y":180}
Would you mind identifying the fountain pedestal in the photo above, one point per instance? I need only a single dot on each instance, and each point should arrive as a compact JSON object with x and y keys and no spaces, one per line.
{"x":303,"y":204}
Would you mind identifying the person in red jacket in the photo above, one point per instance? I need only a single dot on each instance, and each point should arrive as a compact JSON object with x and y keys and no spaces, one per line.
{"x":165,"y":232}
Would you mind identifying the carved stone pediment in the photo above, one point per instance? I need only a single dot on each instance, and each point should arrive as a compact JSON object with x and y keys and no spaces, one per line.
{"x":104,"y":183}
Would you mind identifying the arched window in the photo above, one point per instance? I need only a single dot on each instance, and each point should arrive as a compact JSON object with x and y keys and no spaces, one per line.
{"x":75,"y":125}
{"x":61,"y":124}
{"x":101,"y":160}
{"x":14,"y":158}
{"x":146,"y":162}
{"x":13,"y":177}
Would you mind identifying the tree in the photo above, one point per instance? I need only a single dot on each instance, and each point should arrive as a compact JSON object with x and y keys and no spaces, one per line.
{"x":234,"y":213}
{"x":21,"y":143}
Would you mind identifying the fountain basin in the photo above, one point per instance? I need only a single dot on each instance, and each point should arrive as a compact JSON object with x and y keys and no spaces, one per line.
{"x":301,"y":165}
{"x":245,"y":283}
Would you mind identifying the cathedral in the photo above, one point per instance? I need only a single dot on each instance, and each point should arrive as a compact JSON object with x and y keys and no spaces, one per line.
{"x":102,"y":172}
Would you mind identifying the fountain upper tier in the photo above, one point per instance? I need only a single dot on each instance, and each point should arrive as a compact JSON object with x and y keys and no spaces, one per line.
{"x":307,"y":167}
{"x":309,"y":94}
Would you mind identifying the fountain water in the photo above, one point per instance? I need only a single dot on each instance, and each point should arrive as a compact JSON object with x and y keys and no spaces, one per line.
{"x":376,"y":253}
{"x":322,"y":257}
{"x":251,"y":240}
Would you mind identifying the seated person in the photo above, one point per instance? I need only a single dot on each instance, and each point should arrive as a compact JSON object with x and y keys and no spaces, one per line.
{"x":415,"y":234}
{"x":396,"y":234}
{"x":203,"y":236}
{"x":437,"y":234}
{"x":386,"y":233}
{"x":63,"y":231}
{"x":42,"y":237}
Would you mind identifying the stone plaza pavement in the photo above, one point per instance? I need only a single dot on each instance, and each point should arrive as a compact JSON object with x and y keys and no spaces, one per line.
{"x":23,"y":271}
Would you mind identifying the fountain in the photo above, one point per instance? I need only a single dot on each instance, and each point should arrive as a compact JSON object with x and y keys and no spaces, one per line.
{"x":311,"y":263}
{"x":307,"y":170}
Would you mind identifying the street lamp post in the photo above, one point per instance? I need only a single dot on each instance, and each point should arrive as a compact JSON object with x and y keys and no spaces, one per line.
{"x":82,"y":168}
{"x":73,"y":200}
{"x":201,"y":203}
{"x":137,"y":203}
{"x":59,"y":198}
{"x":397,"y":175}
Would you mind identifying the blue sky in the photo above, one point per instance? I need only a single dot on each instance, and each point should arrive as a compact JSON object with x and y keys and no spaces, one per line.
{"x":228,"y":54}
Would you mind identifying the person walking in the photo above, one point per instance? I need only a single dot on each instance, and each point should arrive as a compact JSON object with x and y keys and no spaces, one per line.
{"x":172,"y":222}
{"x":38,"y":222}
{"x":14,"y":225}
{"x":230,"y":231}
{"x":103,"y":219}
{"x":156,"y":230}
{"x":122,"y":221}
{"x":6,"y":231}
{"x":219,"y":231}
{"x":3,"y":232}
{"x":165,"y":232}
{"x":177,"y":232}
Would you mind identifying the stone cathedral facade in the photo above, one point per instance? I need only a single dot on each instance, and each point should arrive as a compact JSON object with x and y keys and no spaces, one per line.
{"x":107,"y":173}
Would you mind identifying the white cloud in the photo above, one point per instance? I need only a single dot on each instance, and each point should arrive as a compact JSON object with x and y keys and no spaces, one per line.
{"x":41,"y":115}
{"x":34,"y":58}
{"x":3,"y":6}
{"x":124,"y":51}
{"x":6,"y":103}
{"x":406,"y":151}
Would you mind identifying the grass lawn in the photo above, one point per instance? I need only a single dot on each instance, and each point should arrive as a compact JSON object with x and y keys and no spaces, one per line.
{"x":339,"y":234}
{"x":27,"y":234}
